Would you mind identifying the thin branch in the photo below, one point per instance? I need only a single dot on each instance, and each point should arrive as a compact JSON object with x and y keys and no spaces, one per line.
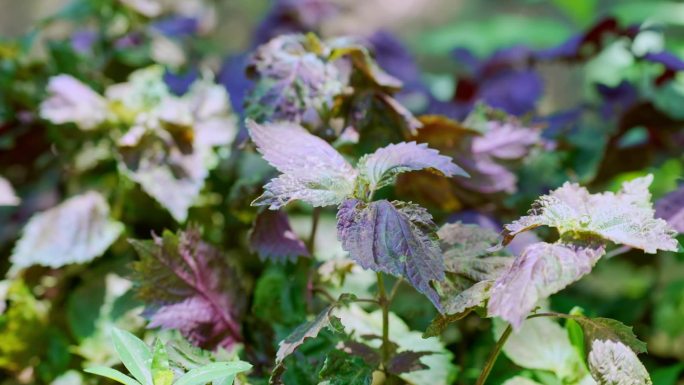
{"x":491,"y":359}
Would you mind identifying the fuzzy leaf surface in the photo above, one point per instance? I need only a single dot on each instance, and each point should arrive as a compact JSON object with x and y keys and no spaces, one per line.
{"x":395,"y":238}
{"x":541,"y":270}
{"x":312,"y":170}
{"x":381,"y":167}
{"x":626,"y":217}
{"x":612,"y":362}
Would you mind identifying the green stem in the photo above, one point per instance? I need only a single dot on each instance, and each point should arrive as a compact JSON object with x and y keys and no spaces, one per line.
{"x":314,"y":227}
{"x":491,"y":360}
{"x":384,"y":305}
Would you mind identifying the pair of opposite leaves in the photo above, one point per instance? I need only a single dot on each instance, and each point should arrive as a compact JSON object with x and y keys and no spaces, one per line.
{"x":398,"y":238}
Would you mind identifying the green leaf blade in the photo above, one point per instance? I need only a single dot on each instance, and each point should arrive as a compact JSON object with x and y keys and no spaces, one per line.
{"x":213,"y":371}
{"x":134,"y":354}
{"x":112,"y":374}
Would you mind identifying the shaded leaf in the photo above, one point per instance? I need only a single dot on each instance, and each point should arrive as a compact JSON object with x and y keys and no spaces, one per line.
{"x":407,"y":361}
{"x":7,"y":195}
{"x":395,"y":238}
{"x":381,"y":167}
{"x":519,"y":380}
{"x":670,"y":208}
{"x":606,"y":329}
{"x":612,"y":362}
{"x":541,"y":270}
{"x":369,"y":354}
{"x":303,"y":332}
{"x":294,"y":79}
{"x":312,"y":170}
{"x":626,"y":217}
{"x":76,"y":231}
{"x":341,"y":368}
{"x":273,"y":238}
{"x":188,"y":285}
{"x":470,"y":267}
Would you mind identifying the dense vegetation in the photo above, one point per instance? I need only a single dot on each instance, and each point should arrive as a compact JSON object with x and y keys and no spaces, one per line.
{"x":320,"y":209}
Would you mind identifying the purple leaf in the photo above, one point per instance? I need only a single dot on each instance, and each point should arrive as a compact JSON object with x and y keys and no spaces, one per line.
{"x":541,"y":270}
{"x":272,"y":238}
{"x":294,"y":81}
{"x":625,"y":217}
{"x":407,"y":361}
{"x":188,"y":285}
{"x":671,"y":208}
{"x":381,"y":167}
{"x":313,"y":171}
{"x":395,"y":238}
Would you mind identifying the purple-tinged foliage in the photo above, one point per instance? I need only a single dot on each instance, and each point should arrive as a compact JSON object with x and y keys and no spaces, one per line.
{"x":671,"y":208}
{"x":177,"y":26}
{"x":234,"y":78}
{"x":396,"y":238}
{"x":624,"y":218}
{"x":470,"y":267}
{"x":312,"y":170}
{"x":407,"y":361}
{"x":273,"y":239}
{"x":671,"y":63}
{"x":541,"y":270}
{"x":189,"y":285}
{"x":381,"y":167}
{"x":293,"y":80}
{"x":293,"y":16}
{"x":179,"y":83}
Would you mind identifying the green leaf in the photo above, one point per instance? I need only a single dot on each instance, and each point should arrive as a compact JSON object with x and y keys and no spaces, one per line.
{"x":112,"y":374}
{"x":161,"y":371}
{"x":609,"y":329}
{"x":210,"y":372}
{"x":341,"y":368}
{"x":134,"y":354}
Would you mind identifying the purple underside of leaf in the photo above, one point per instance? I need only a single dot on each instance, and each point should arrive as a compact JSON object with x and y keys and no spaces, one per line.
{"x":272,"y":238}
{"x":393,"y":238}
{"x":188,"y":285}
{"x":541,"y":270}
{"x":407,"y":361}
{"x":671,"y":208}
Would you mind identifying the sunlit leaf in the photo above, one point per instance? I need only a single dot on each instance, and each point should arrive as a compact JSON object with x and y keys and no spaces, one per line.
{"x":395,"y":238}
{"x":76,"y":231}
{"x":312,"y":170}
{"x":211,"y":372}
{"x":541,"y":270}
{"x":161,"y":370}
{"x":541,"y":343}
{"x":134,"y":354}
{"x":381,"y":167}
{"x":71,"y":101}
{"x":626,"y":217}
{"x":112,"y":374}
{"x":612,"y":362}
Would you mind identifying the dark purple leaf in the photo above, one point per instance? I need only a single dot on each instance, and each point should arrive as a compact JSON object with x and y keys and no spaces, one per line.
{"x":272,"y":238}
{"x":395,"y":238}
{"x":188,"y":285}
{"x":407,"y":361}
{"x":671,"y":208}
{"x":293,"y":16}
